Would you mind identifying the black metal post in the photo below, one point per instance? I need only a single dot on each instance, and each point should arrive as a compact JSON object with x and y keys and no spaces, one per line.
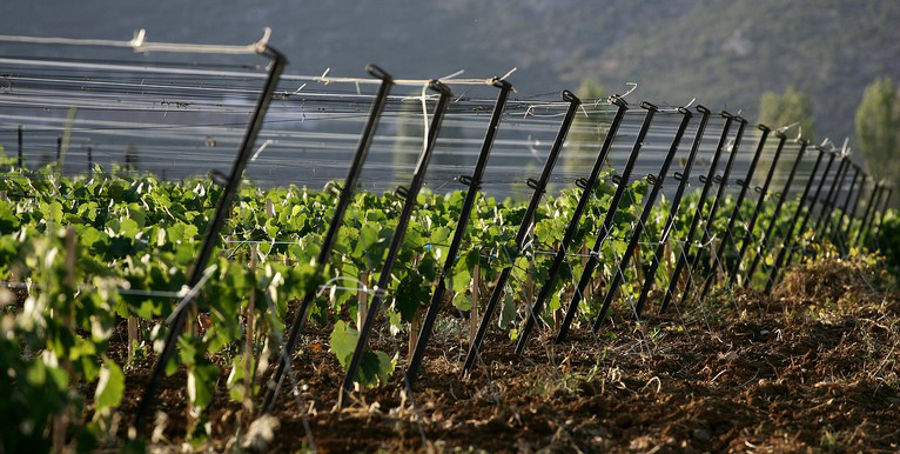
{"x":839,"y":228}
{"x":605,"y":228}
{"x":337,"y":219}
{"x":409,"y":204}
{"x":884,"y":210}
{"x":539,"y":186}
{"x":20,"y":159}
{"x":638,"y":229}
{"x":828,"y":205}
{"x":762,"y":247}
{"x":90,"y":161}
{"x":223,"y":210}
{"x":683,"y":179}
{"x":862,"y":186}
{"x":875,"y":201}
{"x":763,"y":194}
{"x":791,"y":243}
{"x":876,"y":187}
{"x":709,"y":226}
{"x":726,"y":236}
{"x":698,"y":214}
{"x":829,"y":221}
{"x":461,"y":225}
{"x":789,"y":235}
{"x":58,"y":151}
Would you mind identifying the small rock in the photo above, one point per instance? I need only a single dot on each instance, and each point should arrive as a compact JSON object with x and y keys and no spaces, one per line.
{"x":261,"y":433}
{"x":700,"y":435}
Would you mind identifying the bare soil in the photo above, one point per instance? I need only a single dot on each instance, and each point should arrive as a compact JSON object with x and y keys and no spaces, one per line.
{"x":811,"y":368}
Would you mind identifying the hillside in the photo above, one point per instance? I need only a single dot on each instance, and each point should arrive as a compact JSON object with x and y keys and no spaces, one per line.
{"x":730,"y":53}
{"x":725,"y":53}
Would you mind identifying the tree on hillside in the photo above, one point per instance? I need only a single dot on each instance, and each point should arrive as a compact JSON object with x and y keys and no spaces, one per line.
{"x":779,"y":110}
{"x":587,"y":133}
{"x":878,"y":130}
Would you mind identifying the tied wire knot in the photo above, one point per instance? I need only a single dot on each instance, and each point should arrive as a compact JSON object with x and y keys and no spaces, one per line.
{"x":361,"y":286}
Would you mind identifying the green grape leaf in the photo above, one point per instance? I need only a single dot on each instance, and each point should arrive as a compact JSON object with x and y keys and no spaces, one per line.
{"x":110,"y":386}
{"x":343,"y":342}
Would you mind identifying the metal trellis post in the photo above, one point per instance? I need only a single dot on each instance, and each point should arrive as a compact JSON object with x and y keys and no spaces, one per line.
{"x":709,"y":225}
{"x":20,"y":159}
{"x":474,"y":183}
{"x":864,"y":178}
{"x":791,"y":243}
{"x":745,"y":185}
{"x":763,"y":246}
{"x":698,"y":214}
{"x":539,"y":186}
{"x":789,"y":235}
{"x":839,"y":228}
{"x":384,"y":278}
{"x":884,"y":210}
{"x":344,"y":200}
{"x":865,"y":217}
{"x":606,"y":226}
{"x":821,"y":227}
{"x":760,"y":202}
{"x":638,"y":229}
{"x":223,"y":210}
{"x":683,"y":179}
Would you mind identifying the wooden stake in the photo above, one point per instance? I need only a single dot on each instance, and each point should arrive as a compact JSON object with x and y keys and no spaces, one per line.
{"x":362,"y":297}
{"x":667,"y":257}
{"x":584,"y":259}
{"x":61,"y":422}
{"x":134,"y":336}
{"x":250,"y":319}
{"x":473,"y":314}
{"x":415,"y":325}
{"x":638,"y":264}
{"x":529,"y":284}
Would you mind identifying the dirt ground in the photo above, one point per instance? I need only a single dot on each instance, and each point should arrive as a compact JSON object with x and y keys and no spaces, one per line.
{"x":813,"y":368}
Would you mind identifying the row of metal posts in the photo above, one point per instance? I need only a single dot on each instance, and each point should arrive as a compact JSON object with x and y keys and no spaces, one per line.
{"x":688,"y":261}
{"x":623,"y":180}
{"x":20,"y":152}
{"x":827,"y":225}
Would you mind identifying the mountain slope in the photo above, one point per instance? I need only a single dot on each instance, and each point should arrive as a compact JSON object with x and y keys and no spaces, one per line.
{"x":725,"y":53}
